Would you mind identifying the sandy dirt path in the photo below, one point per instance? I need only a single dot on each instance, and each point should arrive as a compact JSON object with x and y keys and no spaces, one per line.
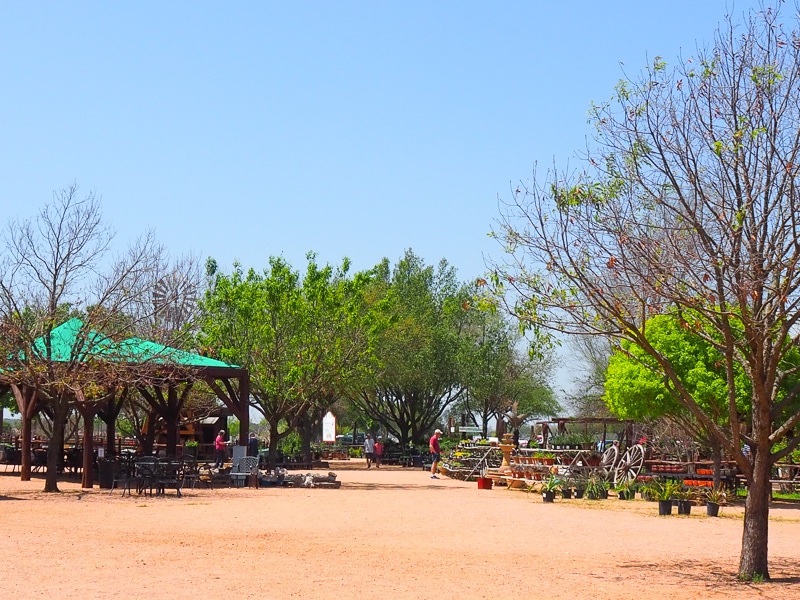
{"x":388,"y":533}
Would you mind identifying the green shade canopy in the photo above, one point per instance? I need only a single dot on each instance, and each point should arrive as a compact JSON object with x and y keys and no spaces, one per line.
{"x":65,"y":342}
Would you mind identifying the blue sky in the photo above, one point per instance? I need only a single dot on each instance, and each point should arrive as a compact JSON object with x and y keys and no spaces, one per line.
{"x":249,"y":129}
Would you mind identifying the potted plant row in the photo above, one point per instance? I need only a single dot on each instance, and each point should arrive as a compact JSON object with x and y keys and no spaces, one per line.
{"x":572,"y":441}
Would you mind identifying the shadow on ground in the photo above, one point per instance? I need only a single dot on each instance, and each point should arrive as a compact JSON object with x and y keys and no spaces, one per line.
{"x":719,"y":574}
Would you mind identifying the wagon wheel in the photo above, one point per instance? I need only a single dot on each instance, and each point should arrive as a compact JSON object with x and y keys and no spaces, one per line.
{"x":630,"y":465}
{"x":609,"y":459}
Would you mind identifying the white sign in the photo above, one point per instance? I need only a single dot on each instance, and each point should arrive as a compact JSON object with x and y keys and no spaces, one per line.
{"x":329,"y":428}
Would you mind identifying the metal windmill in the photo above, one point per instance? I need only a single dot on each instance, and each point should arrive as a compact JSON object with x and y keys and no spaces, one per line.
{"x":174,"y":300}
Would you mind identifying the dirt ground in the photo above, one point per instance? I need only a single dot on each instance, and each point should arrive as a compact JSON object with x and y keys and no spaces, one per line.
{"x":392,"y":533}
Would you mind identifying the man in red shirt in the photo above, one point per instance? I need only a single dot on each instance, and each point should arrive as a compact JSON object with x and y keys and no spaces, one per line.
{"x":436,"y":453}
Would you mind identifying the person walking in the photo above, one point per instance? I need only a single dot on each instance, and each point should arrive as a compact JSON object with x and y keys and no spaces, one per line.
{"x":252,"y":445}
{"x":369,"y":449}
{"x":378,"y":452}
{"x":436,"y":452}
{"x":219,"y":450}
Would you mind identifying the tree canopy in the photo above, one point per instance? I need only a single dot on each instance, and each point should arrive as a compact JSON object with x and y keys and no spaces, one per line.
{"x":688,"y":203}
{"x":300,"y":337}
{"x":416,"y":372}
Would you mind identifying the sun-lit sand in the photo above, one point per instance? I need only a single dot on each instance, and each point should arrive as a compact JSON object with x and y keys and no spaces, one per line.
{"x":385,"y":534}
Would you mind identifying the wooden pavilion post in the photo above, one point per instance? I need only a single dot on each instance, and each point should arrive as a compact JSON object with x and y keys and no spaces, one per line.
{"x":29,"y":405}
{"x":108,"y":414}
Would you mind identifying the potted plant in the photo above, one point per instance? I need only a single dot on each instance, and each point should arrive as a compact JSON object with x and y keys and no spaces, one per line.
{"x":580,"y":486}
{"x":484,"y":482}
{"x":190,"y":448}
{"x":544,"y":458}
{"x":549,"y":488}
{"x":684,"y":499}
{"x":715,"y":497}
{"x":626,"y":490}
{"x":596,"y":487}
{"x":566,"y":488}
{"x":664,"y":494}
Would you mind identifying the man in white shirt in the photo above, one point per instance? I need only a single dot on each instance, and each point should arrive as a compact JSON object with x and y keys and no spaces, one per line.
{"x":369,"y":449}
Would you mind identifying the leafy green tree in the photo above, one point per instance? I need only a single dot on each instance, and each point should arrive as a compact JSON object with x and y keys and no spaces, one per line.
{"x":498,"y":375}
{"x":636,"y":389}
{"x":688,"y":203}
{"x":299,"y":337}
{"x":416,"y":347}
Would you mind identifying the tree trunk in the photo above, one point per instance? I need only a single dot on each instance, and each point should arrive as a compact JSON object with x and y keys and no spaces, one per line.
{"x":716,"y":457}
{"x":55,"y":445}
{"x":272,"y":457}
{"x":173,"y":429}
{"x":25,"y":450}
{"x":753,"y":561}
{"x":87,"y":477}
{"x":306,"y":430}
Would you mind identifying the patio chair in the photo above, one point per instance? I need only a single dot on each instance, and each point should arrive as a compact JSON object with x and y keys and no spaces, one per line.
{"x":247,"y":465}
{"x":13,"y":458}
{"x":146,"y":474}
{"x":170,"y":474}
{"x":39,"y":460}
{"x":124,"y":475}
{"x":191,"y":472}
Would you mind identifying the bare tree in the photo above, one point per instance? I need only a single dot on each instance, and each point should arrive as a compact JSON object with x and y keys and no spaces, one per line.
{"x":587,"y":396}
{"x":58,"y":265}
{"x":689,"y":205}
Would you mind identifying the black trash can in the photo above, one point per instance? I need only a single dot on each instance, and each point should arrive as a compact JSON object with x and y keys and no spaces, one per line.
{"x":105,"y":473}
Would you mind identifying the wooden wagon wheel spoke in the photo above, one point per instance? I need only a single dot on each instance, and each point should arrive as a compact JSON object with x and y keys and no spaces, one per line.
{"x":609,"y":459}
{"x":630,"y":465}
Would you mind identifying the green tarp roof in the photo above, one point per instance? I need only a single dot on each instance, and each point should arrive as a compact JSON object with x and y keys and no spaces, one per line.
{"x":134,"y":350}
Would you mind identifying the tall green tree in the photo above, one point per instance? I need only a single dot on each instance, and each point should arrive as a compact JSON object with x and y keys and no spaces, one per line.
{"x":417,"y":369}
{"x":688,"y":202}
{"x":498,"y":374}
{"x":298,"y":336}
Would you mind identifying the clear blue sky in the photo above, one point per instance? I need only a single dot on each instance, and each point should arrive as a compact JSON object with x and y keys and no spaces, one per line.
{"x":249,"y":129}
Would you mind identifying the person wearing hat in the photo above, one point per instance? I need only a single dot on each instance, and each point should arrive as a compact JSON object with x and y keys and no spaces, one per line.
{"x":378,"y":452}
{"x":219,"y":450}
{"x":436,"y":452}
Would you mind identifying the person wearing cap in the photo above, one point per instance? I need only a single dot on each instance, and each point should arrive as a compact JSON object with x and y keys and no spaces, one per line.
{"x":436,"y":452}
{"x":378,"y":452}
{"x":219,"y":450}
